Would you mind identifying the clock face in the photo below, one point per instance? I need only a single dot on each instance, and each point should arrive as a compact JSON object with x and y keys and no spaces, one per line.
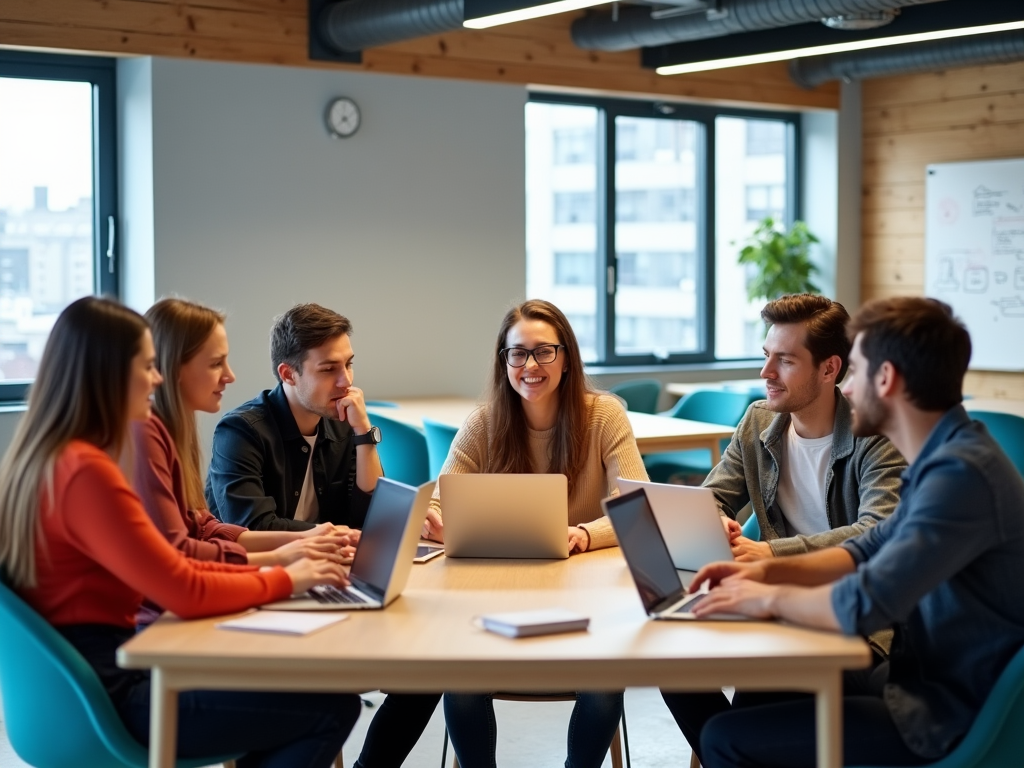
{"x":342,"y":117}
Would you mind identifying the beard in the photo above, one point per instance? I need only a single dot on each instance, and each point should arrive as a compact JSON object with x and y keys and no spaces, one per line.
{"x":869,"y":416}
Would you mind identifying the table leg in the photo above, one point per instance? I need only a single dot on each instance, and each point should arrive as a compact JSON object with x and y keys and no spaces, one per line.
{"x":716,"y":452}
{"x":828,"y":701}
{"x":163,"y":722}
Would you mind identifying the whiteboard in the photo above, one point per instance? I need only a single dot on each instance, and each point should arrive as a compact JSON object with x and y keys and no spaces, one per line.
{"x":974,"y":254}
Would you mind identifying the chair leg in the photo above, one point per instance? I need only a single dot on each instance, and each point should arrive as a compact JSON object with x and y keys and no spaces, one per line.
{"x":339,"y":761}
{"x":625,"y":739}
{"x":694,"y":762}
{"x":616,"y":749}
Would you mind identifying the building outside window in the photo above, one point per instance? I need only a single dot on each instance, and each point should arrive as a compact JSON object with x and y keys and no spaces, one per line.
{"x":57,"y":199}
{"x":635,"y":216}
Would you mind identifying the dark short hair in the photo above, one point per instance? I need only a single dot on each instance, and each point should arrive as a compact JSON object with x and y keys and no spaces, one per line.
{"x":824,"y":319}
{"x":924,"y":341}
{"x":300,"y":329}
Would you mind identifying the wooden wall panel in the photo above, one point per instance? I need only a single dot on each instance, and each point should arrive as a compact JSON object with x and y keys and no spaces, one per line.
{"x":275,"y":32}
{"x":909,"y":122}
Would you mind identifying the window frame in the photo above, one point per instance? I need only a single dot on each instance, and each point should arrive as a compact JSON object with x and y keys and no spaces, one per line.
{"x":704,"y":115}
{"x":101,"y":73}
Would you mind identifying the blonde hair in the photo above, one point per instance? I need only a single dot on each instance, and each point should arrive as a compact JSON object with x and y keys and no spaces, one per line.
{"x":180,"y":328}
{"x":80,"y":393}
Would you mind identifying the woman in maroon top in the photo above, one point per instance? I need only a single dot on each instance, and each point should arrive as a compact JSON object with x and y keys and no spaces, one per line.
{"x":77,"y":545}
{"x":192,"y":356}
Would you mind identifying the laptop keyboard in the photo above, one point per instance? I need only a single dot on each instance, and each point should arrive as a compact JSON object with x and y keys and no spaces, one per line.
{"x":332,"y":595}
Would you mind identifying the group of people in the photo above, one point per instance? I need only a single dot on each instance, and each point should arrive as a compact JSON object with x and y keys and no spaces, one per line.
{"x":105,"y":517}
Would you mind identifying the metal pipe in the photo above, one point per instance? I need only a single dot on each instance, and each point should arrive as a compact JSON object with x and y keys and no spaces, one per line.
{"x":355,"y":25}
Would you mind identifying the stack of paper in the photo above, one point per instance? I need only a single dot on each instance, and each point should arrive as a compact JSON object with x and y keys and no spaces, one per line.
{"x":529,"y":623}
{"x":283,"y":622}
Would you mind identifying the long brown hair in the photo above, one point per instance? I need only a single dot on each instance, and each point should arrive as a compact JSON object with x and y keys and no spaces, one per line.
{"x":80,"y":393}
{"x":510,"y":449}
{"x":180,"y":328}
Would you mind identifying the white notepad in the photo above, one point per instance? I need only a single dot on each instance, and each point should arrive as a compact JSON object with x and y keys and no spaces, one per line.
{"x":283,"y":622}
{"x":547,"y":621}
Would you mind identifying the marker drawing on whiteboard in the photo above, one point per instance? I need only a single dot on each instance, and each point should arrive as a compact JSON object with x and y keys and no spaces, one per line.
{"x":1010,"y":306}
{"x":986,"y":200}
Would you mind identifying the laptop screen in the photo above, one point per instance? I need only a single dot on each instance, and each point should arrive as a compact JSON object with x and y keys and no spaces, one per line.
{"x":383,"y":530}
{"x":644,"y":548}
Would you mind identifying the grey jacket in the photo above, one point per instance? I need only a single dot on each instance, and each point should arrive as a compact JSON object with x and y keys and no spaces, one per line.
{"x":861,"y":485}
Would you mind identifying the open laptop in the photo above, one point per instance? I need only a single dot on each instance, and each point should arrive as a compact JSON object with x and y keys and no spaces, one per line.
{"x":383,"y":558}
{"x":661,"y":590}
{"x":511,"y":516}
{"x":689,"y":520}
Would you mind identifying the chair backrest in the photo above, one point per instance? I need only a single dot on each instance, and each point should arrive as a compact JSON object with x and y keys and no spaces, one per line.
{"x":641,"y":395}
{"x":439,"y":441}
{"x":1006,"y":429}
{"x":996,"y":738}
{"x":716,"y":406}
{"x":402,"y":451}
{"x":56,"y":711}
{"x":752,"y":528}
{"x":380,"y":404}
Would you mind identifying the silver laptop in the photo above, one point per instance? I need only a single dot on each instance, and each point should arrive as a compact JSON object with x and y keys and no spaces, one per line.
{"x":384,"y":555}
{"x":512,"y":516}
{"x":661,"y":590}
{"x":689,"y":520}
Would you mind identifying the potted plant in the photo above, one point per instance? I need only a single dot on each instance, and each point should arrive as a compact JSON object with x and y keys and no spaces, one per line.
{"x":778,"y":260}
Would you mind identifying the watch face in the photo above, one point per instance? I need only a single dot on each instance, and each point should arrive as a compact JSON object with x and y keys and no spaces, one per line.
{"x":343,"y":117}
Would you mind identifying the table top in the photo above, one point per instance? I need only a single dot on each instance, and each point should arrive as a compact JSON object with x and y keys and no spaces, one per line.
{"x":428,"y":640}
{"x":1014,"y":407}
{"x":652,"y":432}
{"x":688,"y":388}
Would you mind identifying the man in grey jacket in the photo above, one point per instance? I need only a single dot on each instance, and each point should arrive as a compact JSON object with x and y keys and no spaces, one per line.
{"x":811,"y":482}
{"x":794,"y":457}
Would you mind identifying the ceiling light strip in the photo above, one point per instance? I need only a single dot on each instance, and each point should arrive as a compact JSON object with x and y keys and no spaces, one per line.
{"x":534,"y":12}
{"x":821,"y":50}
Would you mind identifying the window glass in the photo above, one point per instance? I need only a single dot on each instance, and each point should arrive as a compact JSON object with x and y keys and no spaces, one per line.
{"x":46,"y":213}
{"x":561,"y":214}
{"x":655,"y":229}
{"x":751,"y":183}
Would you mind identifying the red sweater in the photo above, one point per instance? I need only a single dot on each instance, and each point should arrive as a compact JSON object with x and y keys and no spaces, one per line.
{"x":160,"y":484}
{"x":99,"y":553}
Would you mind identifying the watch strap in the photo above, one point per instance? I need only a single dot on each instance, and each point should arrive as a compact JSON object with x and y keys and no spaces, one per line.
{"x":370,"y":437}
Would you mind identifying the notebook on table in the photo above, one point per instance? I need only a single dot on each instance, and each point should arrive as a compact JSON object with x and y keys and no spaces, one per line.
{"x":383,"y":558}
{"x":509,"y":516}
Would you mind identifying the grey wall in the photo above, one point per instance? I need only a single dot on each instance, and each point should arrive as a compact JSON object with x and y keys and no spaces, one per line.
{"x":413,"y":228}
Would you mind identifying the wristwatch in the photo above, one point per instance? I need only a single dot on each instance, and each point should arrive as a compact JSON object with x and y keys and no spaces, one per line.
{"x":370,"y":438}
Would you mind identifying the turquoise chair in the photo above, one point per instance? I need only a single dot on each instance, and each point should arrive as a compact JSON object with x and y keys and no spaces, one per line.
{"x":402,"y":451}
{"x":752,"y":528}
{"x":439,"y":441}
{"x":1007,"y":430}
{"x":56,"y":711}
{"x":716,"y":406}
{"x":996,"y":738}
{"x":641,"y":395}
{"x":380,"y":404}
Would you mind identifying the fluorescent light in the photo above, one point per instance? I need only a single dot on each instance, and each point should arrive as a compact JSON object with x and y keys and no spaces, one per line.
{"x":821,"y":50}
{"x":533,"y":12}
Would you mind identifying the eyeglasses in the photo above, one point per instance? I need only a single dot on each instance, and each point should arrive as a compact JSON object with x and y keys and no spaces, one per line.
{"x":545,"y":354}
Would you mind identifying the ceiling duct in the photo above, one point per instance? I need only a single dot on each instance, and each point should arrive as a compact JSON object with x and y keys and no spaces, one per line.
{"x":998,"y":48}
{"x":636,"y":29}
{"x":859,"y":21}
{"x":355,"y":25}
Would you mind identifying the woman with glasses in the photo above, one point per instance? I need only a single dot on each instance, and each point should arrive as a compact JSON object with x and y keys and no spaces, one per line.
{"x":543,"y":416}
{"x":78,"y":547}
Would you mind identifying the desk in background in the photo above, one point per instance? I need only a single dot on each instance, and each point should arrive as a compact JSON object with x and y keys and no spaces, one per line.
{"x":372,"y":649}
{"x":734,"y":385}
{"x":654,"y":434}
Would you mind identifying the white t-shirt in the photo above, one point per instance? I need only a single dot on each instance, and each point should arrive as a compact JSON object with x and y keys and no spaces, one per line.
{"x":801,"y":493}
{"x":308,"y":508}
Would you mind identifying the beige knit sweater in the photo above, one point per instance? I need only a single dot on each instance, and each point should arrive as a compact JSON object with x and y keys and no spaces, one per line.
{"x":612,"y":453}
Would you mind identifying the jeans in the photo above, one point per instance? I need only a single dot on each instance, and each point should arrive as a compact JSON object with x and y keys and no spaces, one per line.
{"x":273,"y":729}
{"x":777,"y":729}
{"x":474,"y":731}
{"x":396,"y":728}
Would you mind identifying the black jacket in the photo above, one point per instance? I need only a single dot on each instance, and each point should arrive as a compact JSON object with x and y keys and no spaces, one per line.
{"x":259,"y":462}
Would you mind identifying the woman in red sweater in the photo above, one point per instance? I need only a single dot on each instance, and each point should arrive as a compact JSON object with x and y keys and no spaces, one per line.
{"x":77,"y":545}
{"x":192,"y":356}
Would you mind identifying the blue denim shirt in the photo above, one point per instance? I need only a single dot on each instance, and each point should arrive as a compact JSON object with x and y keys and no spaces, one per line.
{"x":946,"y":569}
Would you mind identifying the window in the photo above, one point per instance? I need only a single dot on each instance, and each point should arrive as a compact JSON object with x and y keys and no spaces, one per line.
{"x":57,"y":199}
{"x":635,"y":219}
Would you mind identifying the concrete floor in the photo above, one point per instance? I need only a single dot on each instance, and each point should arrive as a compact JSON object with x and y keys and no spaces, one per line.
{"x":530,"y":735}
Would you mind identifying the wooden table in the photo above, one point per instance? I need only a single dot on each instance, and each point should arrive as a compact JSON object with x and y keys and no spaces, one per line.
{"x":741,"y":385}
{"x":1013,"y":407}
{"x":427,"y":641}
{"x":654,"y":434}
